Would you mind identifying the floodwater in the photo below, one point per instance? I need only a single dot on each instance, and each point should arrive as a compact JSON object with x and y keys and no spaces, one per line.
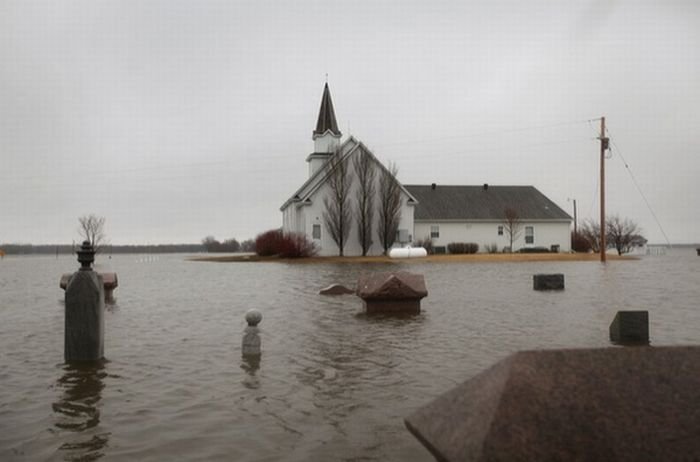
{"x":332,"y":383}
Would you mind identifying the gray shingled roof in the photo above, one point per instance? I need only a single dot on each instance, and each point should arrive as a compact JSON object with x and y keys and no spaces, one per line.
{"x":479,"y":203}
{"x":326,"y":115}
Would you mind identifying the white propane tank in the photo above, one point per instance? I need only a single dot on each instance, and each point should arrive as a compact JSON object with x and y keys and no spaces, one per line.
{"x":408,"y":252}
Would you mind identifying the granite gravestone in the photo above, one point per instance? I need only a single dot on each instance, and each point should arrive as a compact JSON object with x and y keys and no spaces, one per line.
{"x":84,"y":313}
{"x":622,"y":404}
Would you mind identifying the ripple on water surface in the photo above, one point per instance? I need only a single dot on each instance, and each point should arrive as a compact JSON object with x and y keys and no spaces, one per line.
{"x":332,"y":383}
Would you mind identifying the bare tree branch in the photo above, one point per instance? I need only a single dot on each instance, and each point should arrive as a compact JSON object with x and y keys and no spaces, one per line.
{"x":389,"y":206}
{"x":92,"y":229}
{"x":623,"y":234}
{"x":337,"y":214}
{"x":512,"y":225}
{"x":364,"y":212}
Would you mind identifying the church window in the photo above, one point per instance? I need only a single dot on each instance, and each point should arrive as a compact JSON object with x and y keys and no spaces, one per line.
{"x":316,"y":233}
{"x":529,"y":235}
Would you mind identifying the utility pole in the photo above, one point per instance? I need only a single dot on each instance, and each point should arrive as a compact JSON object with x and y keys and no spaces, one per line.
{"x":603,"y":147}
{"x":575,"y":221}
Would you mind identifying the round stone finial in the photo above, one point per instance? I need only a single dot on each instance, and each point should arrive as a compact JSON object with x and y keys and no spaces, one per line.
{"x":86,"y":256}
{"x":253,"y":317}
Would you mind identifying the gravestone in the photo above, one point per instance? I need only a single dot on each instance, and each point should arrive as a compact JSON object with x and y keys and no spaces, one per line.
{"x":110,"y":282}
{"x":393,"y":292}
{"x":630,"y":327}
{"x":622,"y":404}
{"x":84,"y":312}
{"x":548,"y":281}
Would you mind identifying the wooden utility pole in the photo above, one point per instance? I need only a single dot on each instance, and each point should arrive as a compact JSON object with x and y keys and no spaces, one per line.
{"x":603,"y":147}
{"x":575,"y":222}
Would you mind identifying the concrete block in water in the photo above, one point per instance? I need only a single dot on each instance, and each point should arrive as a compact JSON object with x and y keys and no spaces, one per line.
{"x":622,"y":404}
{"x":84,"y":317}
{"x":394,"y":292}
{"x":548,"y":281}
{"x":630,"y":327}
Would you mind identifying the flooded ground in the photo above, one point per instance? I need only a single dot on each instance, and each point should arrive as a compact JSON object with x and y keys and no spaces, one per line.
{"x":332,"y":383}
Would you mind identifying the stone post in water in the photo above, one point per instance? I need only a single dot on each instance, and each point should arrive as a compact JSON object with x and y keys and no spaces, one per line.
{"x":85,"y":325}
{"x":251,"y":337}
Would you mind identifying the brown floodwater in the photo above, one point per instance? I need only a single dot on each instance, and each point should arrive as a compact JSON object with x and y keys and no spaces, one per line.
{"x":332,"y":383}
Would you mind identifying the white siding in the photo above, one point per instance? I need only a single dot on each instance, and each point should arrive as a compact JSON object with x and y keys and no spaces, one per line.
{"x":313,"y":214}
{"x":486,"y":233}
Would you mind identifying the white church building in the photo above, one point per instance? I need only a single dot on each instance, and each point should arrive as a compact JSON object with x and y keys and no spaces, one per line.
{"x":442,"y":213}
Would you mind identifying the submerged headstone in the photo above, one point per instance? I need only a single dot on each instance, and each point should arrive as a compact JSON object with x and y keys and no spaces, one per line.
{"x":622,"y":404}
{"x":630,"y":327}
{"x":393,"y":292}
{"x":548,"y":281}
{"x":335,"y":289}
{"x":84,"y":312}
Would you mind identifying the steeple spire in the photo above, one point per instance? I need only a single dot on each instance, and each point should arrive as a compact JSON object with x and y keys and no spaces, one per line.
{"x":326,"y":116}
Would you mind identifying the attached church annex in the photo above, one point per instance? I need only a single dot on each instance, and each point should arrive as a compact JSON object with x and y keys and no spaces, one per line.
{"x":445,"y":214}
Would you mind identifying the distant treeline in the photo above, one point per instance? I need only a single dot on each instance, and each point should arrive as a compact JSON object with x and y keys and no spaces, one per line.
{"x":27,"y":249}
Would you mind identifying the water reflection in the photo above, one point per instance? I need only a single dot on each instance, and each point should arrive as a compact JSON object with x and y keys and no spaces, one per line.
{"x":251,"y":364}
{"x":77,"y":410}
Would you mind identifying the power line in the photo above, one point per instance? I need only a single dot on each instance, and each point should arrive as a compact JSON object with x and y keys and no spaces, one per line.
{"x":639,"y":189}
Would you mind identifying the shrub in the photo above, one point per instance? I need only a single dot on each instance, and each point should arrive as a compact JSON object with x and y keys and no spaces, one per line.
{"x":292,"y":245}
{"x":462,"y":247}
{"x":579,"y":243}
{"x":534,"y":250}
{"x":427,"y":244}
{"x":296,"y":245}
{"x":492,"y":248}
{"x":268,"y":243}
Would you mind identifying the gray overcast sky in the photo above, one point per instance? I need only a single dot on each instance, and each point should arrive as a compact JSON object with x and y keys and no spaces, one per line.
{"x":176,"y":120}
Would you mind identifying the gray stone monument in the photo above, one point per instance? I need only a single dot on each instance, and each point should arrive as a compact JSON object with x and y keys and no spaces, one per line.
{"x":109,"y":279}
{"x":251,"y":336}
{"x":630,"y":328}
{"x":84,"y":316}
{"x":548,"y":281}
{"x":395,"y":292}
{"x":621,"y":404}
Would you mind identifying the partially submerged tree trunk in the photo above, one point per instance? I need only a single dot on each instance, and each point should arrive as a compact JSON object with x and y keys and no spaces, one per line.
{"x":364,"y":212}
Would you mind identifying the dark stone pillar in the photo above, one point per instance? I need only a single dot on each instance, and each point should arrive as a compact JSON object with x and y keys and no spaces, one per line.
{"x":84,"y":316}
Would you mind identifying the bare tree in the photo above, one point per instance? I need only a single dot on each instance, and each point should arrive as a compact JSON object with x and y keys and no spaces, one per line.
{"x":512,"y":225}
{"x":364,"y":212}
{"x":389,"y":206}
{"x":92,"y":229}
{"x":623,"y":234}
{"x":590,"y":231}
{"x":337,"y":214}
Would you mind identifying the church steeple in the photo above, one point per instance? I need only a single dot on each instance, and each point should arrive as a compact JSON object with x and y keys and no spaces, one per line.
{"x":326,"y":116}
{"x":326,"y":136}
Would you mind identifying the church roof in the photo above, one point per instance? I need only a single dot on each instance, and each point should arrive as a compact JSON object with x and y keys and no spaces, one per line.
{"x":326,"y":115}
{"x":347,"y":148}
{"x":482,"y":203}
